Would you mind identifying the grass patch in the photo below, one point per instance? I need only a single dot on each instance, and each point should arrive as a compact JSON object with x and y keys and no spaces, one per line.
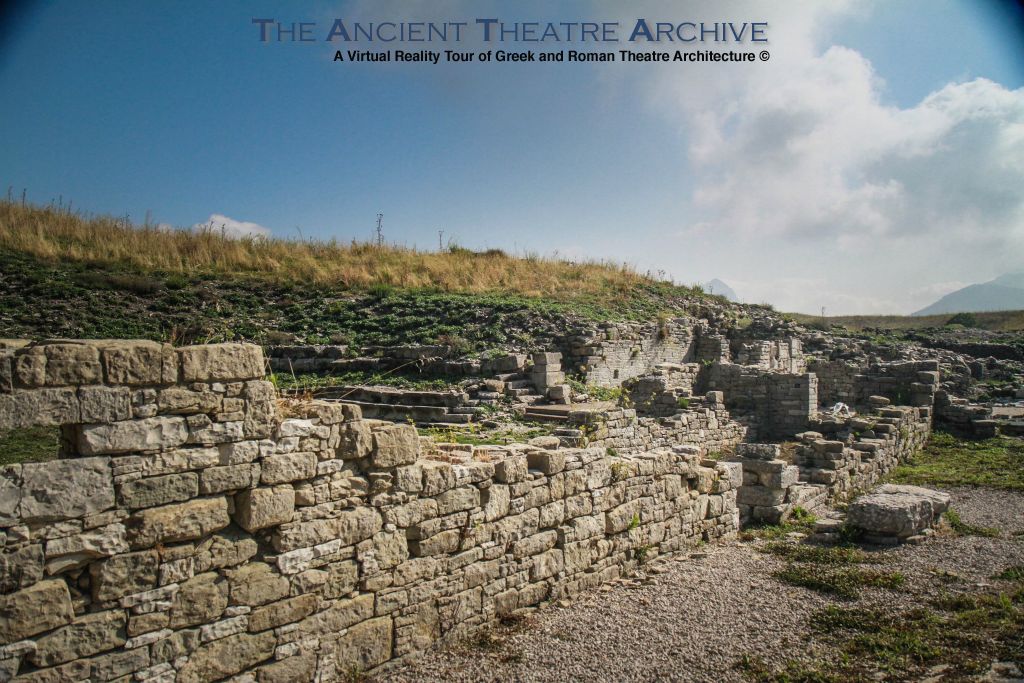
{"x":800,"y":521}
{"x":472,"y":435}
{"x":817,"y":554}
{"x":950,"y":461}
{"x":965,"y":632}
{"x":964,"y":529}
{"x":313,"y":381}
{"x":35,"y":444}
{"x":842,"y":582}
{"x":792,"y":671}
{"x":1011,"y":574}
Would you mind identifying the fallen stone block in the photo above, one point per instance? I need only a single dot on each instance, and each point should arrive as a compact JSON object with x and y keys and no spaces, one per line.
{"x":897,"y":511}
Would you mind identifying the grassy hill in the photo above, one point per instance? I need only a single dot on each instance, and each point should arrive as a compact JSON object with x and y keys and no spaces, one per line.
{"x":65,"y":275}
{"x":997,"y":321}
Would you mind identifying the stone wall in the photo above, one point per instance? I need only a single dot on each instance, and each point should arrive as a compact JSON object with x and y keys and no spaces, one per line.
{"x":664,"y":392}
{"x":780,"y":355}
{"x":704,"y":423}
{"x":194,"y":528}
{"x":781,"y":404}
{"x":617,"y":352}
{"x":904,"y":383}
{"x":858,"y":452}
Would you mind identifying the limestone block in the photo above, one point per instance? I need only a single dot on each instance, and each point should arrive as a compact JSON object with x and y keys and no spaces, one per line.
{"x":264,"y":507}
{"x":408,"y":479}
{"x":282,"y":612}
{"x":105,"y":404}
{"x":228,"y":656}
{"x":21,"y":567}
{"x":438,"y":544}
{"x":394,"y":445}
{"x":123,"y":575}
{"x":496,"y":501}
{"x":455,"y":500}
{"x":72,"y":364}
{"x":548,"y":462}
{"x":511,"y":469}
{"x":43,"y":407}
{"x":365,"y":646}
{"x":221,"y":362}
{"x":760,"y":496}
{"x":390,"y":549}
{"x":86,"y":635}
{"x":229,"y":478}
{"x":256,"y":584}
{"x":349,"y":527}
{"x":535,"y":544}
{"x":216,"y":432}
{"x":356,"y":440}
{"x":139,"y":363}
{"x":152,"y":491}
{"x":287,"y":467}
{"x":546,"y":358}
{"x":64,"y":489}
{"x":150,"y":434}
{"x":40,"y":607}
{"x":200,"y":600}
{"x":10,"y":494}
{"x":438,"y":477}
{"x":546,"y":565}
{"x":117,"y":664}
{"x":897,"y":510}
{"x":72,"y":552}
{"x":184,"y":401}
{"x":294,"y":669}
{"x":181,"y":522}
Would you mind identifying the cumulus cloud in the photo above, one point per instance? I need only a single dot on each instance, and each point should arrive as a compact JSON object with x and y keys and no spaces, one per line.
{"x":805,"y":163}
{"x":230,"y":227}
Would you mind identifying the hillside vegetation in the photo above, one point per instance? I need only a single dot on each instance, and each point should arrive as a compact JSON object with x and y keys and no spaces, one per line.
{"x":65,"y":275}
{"x":997,"y":321}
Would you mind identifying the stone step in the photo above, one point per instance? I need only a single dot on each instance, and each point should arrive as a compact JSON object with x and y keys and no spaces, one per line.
{"x":467,"y":410}
{"x":519,"y":392}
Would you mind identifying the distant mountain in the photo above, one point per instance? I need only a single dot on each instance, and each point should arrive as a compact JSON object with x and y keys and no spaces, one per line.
{"x":1005,"y":293}
{"x":718,"y":287}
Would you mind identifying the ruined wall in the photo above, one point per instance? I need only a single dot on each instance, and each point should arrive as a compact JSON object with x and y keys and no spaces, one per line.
{"x":780,"y":403}
{"x":659,"y":394}
{"x":828,"y":469}
{"x":615,"y":353}
{"x":194,"y":529}
{"x":704,"y":424}
{"x":780,"y":355}
{"x":903,"y":383}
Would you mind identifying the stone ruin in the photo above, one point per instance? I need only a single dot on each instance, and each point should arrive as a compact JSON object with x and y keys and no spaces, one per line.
{"x":196,"y":526}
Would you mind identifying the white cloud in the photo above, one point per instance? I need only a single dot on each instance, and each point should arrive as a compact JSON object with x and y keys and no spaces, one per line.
{"x":230,"y":227}
{"x":873,"y":207}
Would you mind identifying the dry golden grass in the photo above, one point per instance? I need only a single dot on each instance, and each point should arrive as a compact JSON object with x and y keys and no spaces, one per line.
{"x":55,"y":235}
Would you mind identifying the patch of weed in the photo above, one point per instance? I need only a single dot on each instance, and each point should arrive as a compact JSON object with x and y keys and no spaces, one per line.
{"x":34,"y":444}
{"x":964,"y":529}
{"x":843,"y":582}
{"x":951,"y":461}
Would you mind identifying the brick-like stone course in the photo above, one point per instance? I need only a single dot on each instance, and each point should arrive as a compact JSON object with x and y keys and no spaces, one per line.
{"x":195,"y":530}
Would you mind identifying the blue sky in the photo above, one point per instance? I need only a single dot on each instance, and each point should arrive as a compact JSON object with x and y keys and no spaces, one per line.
{"x":175,"y":110}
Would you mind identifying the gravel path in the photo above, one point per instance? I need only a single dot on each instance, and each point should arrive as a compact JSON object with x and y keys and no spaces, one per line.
{"x":692,"y":618}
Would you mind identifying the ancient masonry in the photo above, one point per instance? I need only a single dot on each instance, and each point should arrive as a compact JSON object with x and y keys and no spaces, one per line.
{"x":195,"y":529}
